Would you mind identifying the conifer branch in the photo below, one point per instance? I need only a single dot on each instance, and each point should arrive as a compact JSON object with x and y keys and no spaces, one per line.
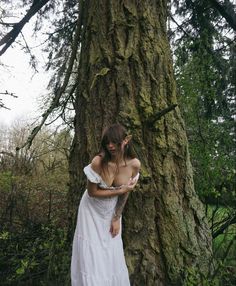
{"x":226,"y":12}
{"x":59,"y":90}
{"x":10,"y":37}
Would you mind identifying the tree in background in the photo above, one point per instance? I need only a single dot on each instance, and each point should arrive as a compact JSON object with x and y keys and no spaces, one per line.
{"x":32,"y":179}
{"x":33,"y":195}
{"x":205,"y":69}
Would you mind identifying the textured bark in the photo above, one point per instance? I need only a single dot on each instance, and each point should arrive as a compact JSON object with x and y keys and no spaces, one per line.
{"x":126,"y":75}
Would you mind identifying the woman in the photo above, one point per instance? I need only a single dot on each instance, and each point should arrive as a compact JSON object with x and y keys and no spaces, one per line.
{"x":97,"y":255}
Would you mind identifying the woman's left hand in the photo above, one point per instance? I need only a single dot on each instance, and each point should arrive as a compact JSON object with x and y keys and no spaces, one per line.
{"x":115,"y":227}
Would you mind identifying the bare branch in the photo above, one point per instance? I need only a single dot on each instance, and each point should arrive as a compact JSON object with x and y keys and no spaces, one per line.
{"x":32,"y":57}
{"x":9,"y":93}
{"x":10,"y":37}
{"x":2,"y":105}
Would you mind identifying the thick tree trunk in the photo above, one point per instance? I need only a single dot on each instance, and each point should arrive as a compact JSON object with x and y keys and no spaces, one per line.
{"x":126,"y":75}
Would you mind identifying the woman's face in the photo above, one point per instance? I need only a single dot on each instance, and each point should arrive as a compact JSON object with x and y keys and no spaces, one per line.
{"x":114,"y":149}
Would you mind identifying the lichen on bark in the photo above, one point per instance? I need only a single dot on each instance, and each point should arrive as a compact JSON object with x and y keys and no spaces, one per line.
{"x":126,"y":75}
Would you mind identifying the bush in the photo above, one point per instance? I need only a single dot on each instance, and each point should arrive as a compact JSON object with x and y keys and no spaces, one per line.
{"x":38,"y":255}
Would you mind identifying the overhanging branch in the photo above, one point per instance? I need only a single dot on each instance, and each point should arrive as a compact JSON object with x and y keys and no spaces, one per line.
{"x":10,"y":37}
{"x":60,"y":90}
{"x":224,"y":226}
{"x":226,"y":12}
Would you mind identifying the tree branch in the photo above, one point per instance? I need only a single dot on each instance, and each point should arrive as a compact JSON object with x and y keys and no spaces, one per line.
{"x":157,"y":116}
{"x":59,"y":90}
{"x":9,"y":93}
{"x":226,"y":12}
{"x":224,"y":226}
{"x":180,"y":27}
{"x":10,"y":37}
{"x":2,"y":105}
{"x":224,"y":257}
{"x":32,"y":57}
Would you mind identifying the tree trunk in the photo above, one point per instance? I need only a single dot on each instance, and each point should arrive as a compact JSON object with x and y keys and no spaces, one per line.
{"x":126,"y":75}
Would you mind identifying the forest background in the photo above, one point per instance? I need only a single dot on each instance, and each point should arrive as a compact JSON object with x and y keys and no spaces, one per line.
{"x":35,"y":237}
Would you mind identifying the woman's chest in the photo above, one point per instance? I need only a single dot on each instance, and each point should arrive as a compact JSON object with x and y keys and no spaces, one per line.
{"x":120,"y":176}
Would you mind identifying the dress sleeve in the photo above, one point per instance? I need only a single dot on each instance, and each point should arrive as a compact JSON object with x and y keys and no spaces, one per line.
{"x":136,"y":177}
{"x":91,"y":175}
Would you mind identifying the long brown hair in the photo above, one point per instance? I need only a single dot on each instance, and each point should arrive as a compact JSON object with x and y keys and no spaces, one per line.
{"x":115,"y":133}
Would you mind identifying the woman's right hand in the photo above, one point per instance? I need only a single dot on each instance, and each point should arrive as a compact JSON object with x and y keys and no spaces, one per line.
{"x":130,"y":186}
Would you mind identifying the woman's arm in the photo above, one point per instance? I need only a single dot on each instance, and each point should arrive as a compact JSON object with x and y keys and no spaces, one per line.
{"x":122,"y":199}
{"x":95,"y":191}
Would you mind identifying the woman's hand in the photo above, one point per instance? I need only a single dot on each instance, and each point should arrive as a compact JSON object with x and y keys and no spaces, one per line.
{"x":115,"y":227}
{"x":130,"y":186}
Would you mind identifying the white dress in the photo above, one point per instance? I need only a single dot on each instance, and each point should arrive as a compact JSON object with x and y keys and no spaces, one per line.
{"x":97,"y":258}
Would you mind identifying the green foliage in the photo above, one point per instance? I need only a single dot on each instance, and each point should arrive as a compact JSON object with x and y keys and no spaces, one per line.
{"x":36,"y":255}
{"x":6,"y":181}
{"x":204,"y":62}
{"x":224,"y":245}
{"x":33,"y":184}
{"x":193,"y":277}
{"x":33,"y":188}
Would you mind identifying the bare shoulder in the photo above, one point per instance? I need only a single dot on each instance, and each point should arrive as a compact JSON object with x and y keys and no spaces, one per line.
{"x":135,"y":163}
{"x":96,"y":164}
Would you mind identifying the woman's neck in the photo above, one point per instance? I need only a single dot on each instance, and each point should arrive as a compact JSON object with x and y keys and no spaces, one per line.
{"x":118,"y":161}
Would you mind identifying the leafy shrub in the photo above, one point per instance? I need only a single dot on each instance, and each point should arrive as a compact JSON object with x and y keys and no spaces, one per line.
{"x":38,"y":255}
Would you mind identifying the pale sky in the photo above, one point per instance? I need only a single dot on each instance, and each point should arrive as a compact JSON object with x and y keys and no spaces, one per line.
{"x":19,"y":78}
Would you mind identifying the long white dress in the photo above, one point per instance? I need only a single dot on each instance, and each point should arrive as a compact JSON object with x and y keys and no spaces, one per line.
{"x":97,"y":258}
